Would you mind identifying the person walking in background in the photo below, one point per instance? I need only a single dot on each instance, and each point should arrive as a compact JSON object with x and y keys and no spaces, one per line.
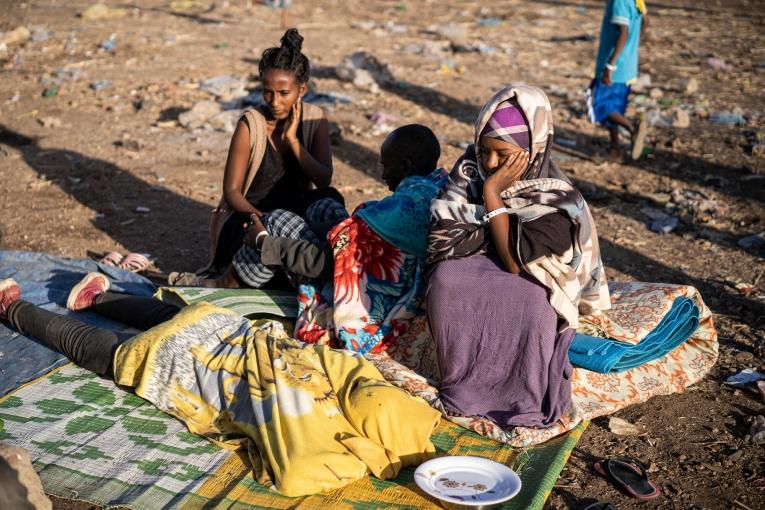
{"x":624,"y":21}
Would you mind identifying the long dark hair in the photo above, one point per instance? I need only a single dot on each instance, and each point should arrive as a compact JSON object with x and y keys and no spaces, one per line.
{"x":287,"y":56}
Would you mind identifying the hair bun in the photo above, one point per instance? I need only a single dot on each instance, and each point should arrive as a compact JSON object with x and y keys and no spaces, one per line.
{"x":292,"y":39}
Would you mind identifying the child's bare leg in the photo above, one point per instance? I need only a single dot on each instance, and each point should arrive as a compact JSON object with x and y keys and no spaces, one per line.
{"x":617,"y":120}
{"x":614,"y":151}
{"x":621,"y":120}
{"x":285,"y":18}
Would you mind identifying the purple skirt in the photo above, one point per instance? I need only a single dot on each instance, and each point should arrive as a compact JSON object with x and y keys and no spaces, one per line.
{"x":499,"y":351}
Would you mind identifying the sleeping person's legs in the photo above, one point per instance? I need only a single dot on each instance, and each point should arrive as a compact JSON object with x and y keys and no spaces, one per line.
{"x":88,"y":346}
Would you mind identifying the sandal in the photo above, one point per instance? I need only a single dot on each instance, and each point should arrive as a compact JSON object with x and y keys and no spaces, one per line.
{"x":629,"y":475}
{"x":598,"y":505}
{"x":638,"y":141}
{"x":177,"y":279}
{"x":135,"y":262}
{"x":113,"y":259}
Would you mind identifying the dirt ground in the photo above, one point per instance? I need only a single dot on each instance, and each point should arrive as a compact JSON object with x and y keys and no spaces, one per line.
{"x":77,"y":164}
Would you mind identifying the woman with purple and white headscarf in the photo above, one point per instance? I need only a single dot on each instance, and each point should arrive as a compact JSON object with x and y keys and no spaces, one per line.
{"x":513,"y":259}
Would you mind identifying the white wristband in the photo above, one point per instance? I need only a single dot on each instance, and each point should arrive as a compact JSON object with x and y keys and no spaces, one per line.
{"x":257,"y":238}
{"x":611,"y":67}
{"x":495,"y":212}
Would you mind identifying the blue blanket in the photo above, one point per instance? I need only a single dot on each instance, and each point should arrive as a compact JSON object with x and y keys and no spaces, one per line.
{"x":46,"y":280}
{"x":605,"y":355}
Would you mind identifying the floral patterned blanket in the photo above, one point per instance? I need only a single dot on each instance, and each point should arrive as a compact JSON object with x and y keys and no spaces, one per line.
{"x":637,"y":308}
{"x":379,"y":281}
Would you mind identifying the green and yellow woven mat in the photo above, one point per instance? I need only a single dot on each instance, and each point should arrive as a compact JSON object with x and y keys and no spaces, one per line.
{"x":90,"y":440}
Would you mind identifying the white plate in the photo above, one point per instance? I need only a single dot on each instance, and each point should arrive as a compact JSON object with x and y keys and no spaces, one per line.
{"x":472,"y":481}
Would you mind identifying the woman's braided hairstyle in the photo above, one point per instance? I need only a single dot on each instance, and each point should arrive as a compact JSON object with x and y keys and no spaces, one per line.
{"x":287,"y":57}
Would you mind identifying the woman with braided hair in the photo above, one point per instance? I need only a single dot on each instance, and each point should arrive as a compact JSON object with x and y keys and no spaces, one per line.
{"x":279,"y":164}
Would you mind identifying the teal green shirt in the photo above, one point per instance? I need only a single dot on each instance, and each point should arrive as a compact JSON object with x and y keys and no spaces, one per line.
{"x":625,"y":13}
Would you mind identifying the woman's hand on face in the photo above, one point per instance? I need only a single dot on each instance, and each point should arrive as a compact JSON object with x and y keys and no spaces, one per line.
{"x":289,"y":134}
{"x":510,"y":171}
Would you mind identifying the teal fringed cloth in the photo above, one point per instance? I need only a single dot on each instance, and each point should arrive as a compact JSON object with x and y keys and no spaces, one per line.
{"x":605,"y":355}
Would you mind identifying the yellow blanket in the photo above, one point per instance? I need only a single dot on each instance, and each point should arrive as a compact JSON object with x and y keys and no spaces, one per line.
{"x":312,"y":418}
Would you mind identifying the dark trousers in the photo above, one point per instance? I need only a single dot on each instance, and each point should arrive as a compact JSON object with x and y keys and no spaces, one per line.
{"x":89,"y":346}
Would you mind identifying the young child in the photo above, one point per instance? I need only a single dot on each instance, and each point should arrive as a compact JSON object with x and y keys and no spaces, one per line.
{"x":624,"y":21}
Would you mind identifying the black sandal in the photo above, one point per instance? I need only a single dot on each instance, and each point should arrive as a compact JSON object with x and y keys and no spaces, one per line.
{"x":629,"y":475}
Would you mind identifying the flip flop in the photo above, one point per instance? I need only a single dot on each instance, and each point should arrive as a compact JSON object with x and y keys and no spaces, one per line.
{"x":135,"y":262}
{"x":629,"y":475}
{"x":177,"y":279}
{"x":599,"y":505}
{"x":638,"y":141}
{"x":113,"y":259}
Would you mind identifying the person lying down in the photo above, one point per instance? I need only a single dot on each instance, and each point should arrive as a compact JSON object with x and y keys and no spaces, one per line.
{"x":311,"y":418}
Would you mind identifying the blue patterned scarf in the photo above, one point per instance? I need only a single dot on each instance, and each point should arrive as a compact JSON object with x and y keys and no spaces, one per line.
{"x":403,"y":218}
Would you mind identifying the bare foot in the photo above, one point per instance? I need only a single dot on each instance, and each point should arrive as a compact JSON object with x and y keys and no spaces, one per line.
{"x":615,"y":154}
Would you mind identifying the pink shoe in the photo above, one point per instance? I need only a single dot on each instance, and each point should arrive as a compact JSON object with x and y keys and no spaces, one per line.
{"x":85,"y":292}
{"x":9,"y":294}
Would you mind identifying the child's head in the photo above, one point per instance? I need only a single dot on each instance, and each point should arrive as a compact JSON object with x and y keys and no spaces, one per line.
{"x":284,"y":74}
{"x":409,"y":150}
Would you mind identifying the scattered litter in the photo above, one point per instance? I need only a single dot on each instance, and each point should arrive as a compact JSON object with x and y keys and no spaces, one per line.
{"x":17,"y":36}
{"x":130,"y":144}
{"x":745,"y":288}
{"x":225,"y":121}
{"x":573,"y":38}
{"x":198,"y":114}
{"x":395,"y":28}
{"x":143,"y":210}
{"x":183,"y":4}
{"x":691,"y":86}
{"x":40,"y":34}
{"x":383,"y":123}
{"x":719,"y":64}
{"x":727,"y":117}
{"x":752,"y":241}
{"x":101,"y":11}
{"x":50,"y":91}
{"x":642,"y":83}
{"x":681,"y":119}
{"x":624,"y":428}
{"x":109,"y":44}
{"x":451,"y":31}
{"x":480,"y":47}
{"x":655,"y":118}
{"x":100,"y":85}
{"x":49,"y":122}
{"x":223,"y":86}
{"x":665,"y":225}
{"x":365,"y":71}
{"x":364,"y":25}
{"x":744,"y":378}
{"x":450,"y":68}
{"x":488,"y":22}
{"x":757,"y":430}
{"x":255,"y":98}
{"x":221,"y":45}
{"x":62,"y":75}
